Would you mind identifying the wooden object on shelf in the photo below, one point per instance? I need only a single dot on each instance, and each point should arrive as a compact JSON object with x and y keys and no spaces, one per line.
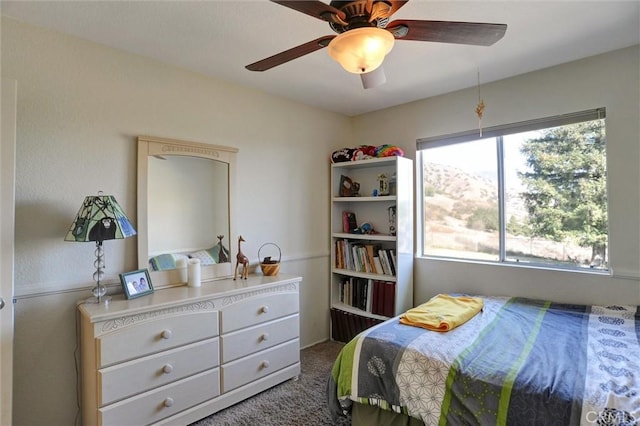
{"x":268,"y":265}
{"x":183,"y":353}
{"x":243,"y":260}
{"x":371,"y":273}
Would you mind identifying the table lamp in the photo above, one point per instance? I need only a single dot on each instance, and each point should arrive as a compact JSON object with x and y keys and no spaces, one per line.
{"x":100,"y":218}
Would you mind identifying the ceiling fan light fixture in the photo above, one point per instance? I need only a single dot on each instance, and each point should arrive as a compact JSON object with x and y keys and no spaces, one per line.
{"x":361,"y":50}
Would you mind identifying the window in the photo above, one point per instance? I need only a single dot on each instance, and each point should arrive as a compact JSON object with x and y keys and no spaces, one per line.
{"x":531,"y":193}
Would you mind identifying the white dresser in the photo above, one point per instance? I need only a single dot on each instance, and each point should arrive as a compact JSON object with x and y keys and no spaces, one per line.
{"x":182,"y":353}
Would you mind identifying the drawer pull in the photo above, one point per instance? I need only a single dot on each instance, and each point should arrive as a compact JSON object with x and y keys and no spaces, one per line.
{"x":168,"y":402}
{"x":264,"y":310}
{"x":168,"y":368}
{"x":264,"y":337}
{"x":166,"y":334}
{"x":264,"y":365}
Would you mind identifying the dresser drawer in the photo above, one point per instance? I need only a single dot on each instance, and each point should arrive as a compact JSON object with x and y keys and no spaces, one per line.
{"x":253,"y":367}
{"x":154,"y":336}
{"x":129,"y":378}
{"x":253,"y":339}
{"x":165,"y":401}
{"x":257,"y":310}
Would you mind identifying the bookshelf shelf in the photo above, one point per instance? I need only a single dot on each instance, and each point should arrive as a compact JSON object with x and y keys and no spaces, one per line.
{"x":378,"y":199}
{"x":367,"y":275}
{"x":356,"y":311}
{"x":376,"y":237}
{"x":372,"y":271}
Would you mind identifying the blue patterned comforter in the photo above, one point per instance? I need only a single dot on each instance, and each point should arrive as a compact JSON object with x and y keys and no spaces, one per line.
{"x":518,"y":362}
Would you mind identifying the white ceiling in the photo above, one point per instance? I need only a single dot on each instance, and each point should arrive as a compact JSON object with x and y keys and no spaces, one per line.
{"x":219,"y":38}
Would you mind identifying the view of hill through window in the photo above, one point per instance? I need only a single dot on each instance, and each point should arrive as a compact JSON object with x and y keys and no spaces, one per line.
{"x":553,"y":186}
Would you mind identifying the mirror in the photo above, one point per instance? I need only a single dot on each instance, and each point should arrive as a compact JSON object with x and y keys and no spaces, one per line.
{"x":185,"y":194}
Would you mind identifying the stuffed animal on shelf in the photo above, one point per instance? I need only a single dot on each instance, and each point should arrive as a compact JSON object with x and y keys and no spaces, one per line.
{"x":364,"y":152}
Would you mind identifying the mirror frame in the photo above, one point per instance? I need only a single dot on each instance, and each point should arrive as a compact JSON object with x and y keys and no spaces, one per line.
{"x":155,"y":146}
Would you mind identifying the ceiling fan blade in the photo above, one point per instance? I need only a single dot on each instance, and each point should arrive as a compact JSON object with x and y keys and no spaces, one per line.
{"x":395,"y":5}
{"x":373,"y":78}
{"x":290,"y":54}
{"x":476,"y":33}
{"x":315,"y":8}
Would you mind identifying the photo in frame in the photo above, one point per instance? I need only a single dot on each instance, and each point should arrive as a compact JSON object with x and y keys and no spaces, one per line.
{"x":136,"y":283}
{"x":348,"y":188}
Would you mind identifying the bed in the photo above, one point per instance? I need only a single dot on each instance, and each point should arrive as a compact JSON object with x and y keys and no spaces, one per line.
{"x":516,"y":362}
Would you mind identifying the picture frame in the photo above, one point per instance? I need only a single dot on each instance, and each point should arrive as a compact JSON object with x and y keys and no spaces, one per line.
{"x":348,"y":188}
{"x":136,"y":283}
{"x":392,"y":220}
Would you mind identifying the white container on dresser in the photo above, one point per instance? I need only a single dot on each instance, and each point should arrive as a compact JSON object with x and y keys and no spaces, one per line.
{"x":183,"y":353}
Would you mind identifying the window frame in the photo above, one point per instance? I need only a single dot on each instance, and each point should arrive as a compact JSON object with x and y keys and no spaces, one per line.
{"x":497,"y":133}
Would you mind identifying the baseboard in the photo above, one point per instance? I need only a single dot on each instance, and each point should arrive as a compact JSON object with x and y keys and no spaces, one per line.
{"x":315,"y":343}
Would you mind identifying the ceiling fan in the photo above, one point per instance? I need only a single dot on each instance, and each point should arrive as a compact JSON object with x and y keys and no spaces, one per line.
{"x":365,"y":34}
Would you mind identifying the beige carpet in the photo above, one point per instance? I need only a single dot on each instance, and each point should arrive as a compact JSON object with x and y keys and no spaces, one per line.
{"x":292,"y":403}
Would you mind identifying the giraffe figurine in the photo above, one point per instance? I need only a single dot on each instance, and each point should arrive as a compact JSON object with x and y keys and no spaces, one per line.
{"x":222,"y":256}
{"x":241,"y":259}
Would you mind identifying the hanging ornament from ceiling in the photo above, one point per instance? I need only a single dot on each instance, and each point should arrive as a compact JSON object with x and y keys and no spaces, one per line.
{"x":480,"y":106}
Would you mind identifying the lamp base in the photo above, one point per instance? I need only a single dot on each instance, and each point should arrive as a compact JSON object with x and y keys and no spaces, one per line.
{"x":103,"y":300}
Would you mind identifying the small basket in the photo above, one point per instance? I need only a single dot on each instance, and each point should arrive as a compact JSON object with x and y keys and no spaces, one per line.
{"x":270,"y":267}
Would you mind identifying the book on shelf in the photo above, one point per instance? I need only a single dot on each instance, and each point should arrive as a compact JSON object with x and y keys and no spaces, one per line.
{"x":356,"y":257}
{"x":366,"y":265}
{"x":385,"y":261}
{"x":373,"y":296}
{"x":389,"y":298}
{"x":345,"y":325}
{"x":376,"y":299}
{"x":363,"y":284}
{"x":378,"y":265}
{"x":367,"y":258}
{"x":344,"y":256}
{"x":370,"y":258}
{"x":394,"y":263}
{"x":338,"y":261}
{"x":355,"y":292}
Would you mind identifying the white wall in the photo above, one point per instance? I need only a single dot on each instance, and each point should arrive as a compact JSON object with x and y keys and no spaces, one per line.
{"x":80,"y":108}
{"x":610,"y":80}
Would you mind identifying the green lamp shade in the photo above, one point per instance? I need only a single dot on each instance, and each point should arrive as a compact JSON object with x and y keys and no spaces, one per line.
{"x":100,"y":218}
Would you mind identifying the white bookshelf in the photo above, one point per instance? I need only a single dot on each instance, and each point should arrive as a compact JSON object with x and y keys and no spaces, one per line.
{"x":375,"y":211}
